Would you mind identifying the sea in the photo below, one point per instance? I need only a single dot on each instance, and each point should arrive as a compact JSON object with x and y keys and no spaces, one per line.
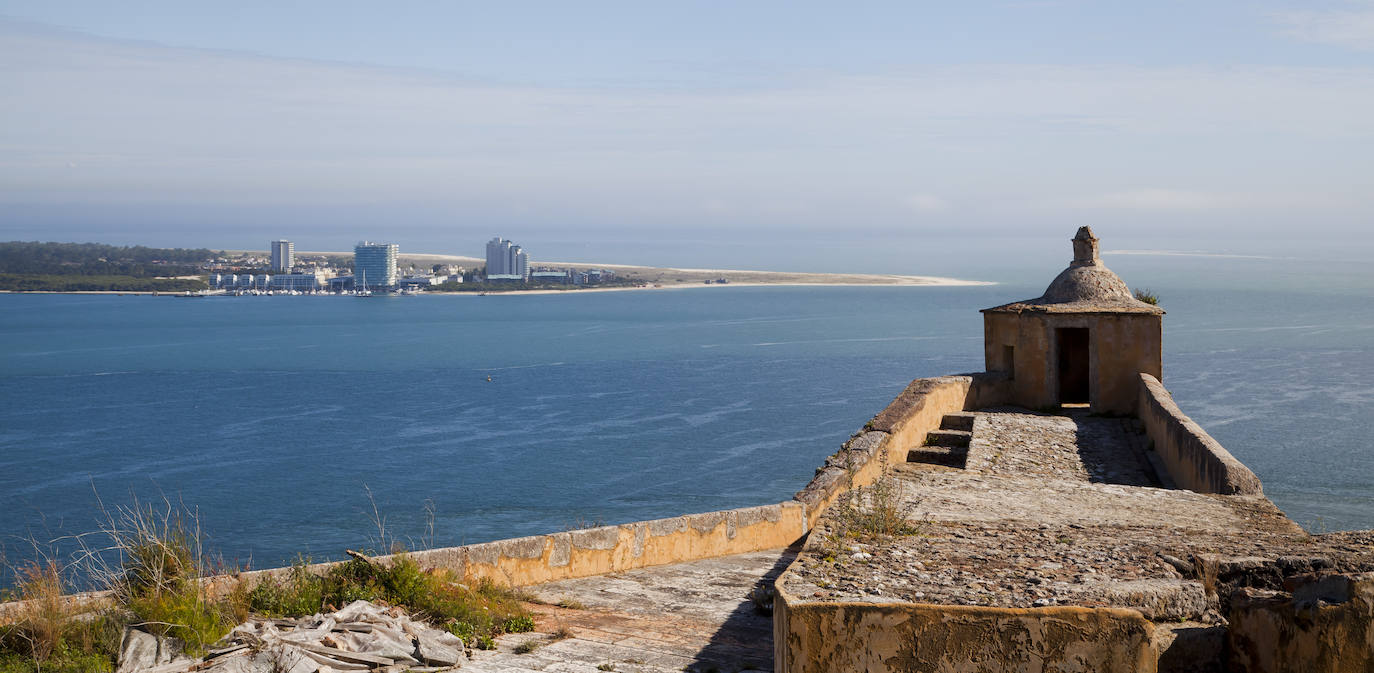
{"x":291,"y":427}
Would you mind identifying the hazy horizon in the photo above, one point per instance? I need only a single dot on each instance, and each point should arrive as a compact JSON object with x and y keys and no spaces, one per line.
{"x":883,"y":137}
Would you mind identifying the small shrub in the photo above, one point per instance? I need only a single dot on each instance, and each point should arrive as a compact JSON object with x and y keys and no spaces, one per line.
{"x":568,"y":603}
{"x":300,"y":593}
{"x":1206,"y":571}
{"x":872,"y":512}
{"x":526,"y":647}
{"x":1146,"y":295}
{"x":185,"y":614}
{"x":484,"y":642}
{"x":520,"y":624}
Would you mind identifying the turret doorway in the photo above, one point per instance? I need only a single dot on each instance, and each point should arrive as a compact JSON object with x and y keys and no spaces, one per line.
{"x":1073,"y":365}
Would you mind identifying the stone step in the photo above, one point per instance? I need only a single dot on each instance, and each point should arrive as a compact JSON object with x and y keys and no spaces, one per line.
{"x":948,"y":438}
{"x":957,"y":422}
{"x":949,"y":456}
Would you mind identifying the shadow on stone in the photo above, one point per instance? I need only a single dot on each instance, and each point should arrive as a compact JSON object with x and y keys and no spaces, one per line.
{"x":745,"y":641}
{"x":1112,"y":450}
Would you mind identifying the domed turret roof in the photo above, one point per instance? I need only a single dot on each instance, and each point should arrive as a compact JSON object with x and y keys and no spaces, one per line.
{"x":1087,"y":286}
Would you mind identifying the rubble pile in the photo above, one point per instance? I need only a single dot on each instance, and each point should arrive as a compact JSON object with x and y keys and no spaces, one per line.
{"x":360,"y":637}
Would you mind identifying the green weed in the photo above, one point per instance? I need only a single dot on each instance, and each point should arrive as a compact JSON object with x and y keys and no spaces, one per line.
{"x":487,"y":609}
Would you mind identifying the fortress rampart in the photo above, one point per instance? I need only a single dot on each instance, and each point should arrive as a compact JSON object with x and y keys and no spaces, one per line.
{"x":1195,"y":461}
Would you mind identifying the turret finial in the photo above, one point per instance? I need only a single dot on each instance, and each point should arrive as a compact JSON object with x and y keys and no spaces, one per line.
{"x":1085,"y":248}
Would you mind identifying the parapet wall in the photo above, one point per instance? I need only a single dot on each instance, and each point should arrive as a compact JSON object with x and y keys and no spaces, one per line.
{"x":902,"y":425}
{"x":830,"y":637}
{"x":607,"y":549}
{"x":1195,"y":461}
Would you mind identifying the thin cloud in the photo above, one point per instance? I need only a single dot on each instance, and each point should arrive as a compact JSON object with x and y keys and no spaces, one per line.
{"x":1184,"y":253}
{"x":97,"y":121}
{"x":1353,"y":28}
{"x":1155,"y":199}
{"x":1183,"y":200}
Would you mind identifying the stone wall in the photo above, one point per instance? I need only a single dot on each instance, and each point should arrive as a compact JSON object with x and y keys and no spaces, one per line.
{"x":1195,"y":461}
{"x":903,"y":425}
{"x":1121,"y":344}
{"x":607,"y":549}
{"x":1326,"y":625}
{"x":818,"y":637}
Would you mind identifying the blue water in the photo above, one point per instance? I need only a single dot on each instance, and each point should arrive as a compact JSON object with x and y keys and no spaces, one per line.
{"x":274,"y":417}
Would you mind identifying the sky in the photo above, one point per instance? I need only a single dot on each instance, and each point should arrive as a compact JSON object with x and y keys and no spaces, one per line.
{"x":763,"y":134}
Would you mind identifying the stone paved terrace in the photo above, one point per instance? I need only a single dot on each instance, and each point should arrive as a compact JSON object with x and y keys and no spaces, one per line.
{"x":1065,"y":510}
{"x":694,"y":616}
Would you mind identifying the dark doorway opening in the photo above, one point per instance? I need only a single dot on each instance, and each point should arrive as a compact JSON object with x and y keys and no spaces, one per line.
{"x":1073,"y":365}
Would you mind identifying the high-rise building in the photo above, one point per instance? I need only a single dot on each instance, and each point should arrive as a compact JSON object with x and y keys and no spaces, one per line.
{"x":283,"y":256}
{"x":506,"y":260}
{"x":498,"y":252}
{"x":374,"y":264}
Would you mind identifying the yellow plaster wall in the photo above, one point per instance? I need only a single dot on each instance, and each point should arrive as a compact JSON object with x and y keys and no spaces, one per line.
{"x":901,"y":426}
{"x":1122,"y":345}
{"x":635,"y":545}
{"x":917,"y":411}
{"x":811,"y":637}
{"x":1330,"y":629}
{"x":598,"y":551}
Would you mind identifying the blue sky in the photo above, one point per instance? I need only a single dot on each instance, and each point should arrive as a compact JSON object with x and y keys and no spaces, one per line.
{"x":633,"y":129}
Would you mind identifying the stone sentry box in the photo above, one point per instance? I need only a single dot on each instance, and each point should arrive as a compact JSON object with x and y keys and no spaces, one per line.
{"x":1086,"y":340}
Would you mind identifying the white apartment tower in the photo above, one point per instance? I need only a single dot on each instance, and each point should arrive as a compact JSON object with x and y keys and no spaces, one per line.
{"x":283,"y":256}
{"x":506,"y":259}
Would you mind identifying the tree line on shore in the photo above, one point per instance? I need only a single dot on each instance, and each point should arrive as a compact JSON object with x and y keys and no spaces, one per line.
{"x":27,"y":266}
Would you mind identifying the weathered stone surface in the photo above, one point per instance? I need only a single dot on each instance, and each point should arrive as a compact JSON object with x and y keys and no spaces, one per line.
{"x":912,"y":637}
{"x":604,"y":537}
{"x":1326,"y":626}
{"x":142,"y":651}
{"x":913,"y":400}
{"x":694,"y":616}
{"x":705,"y":523}
{"x":562,"y":550}
{"x":438,"y":650}
{"x":1054,"y":511}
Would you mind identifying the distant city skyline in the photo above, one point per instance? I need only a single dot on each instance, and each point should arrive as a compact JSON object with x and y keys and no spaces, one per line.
{"x":647,"y":133}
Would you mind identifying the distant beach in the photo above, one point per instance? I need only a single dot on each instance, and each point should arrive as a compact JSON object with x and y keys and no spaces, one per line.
{"x":672,"y":277}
